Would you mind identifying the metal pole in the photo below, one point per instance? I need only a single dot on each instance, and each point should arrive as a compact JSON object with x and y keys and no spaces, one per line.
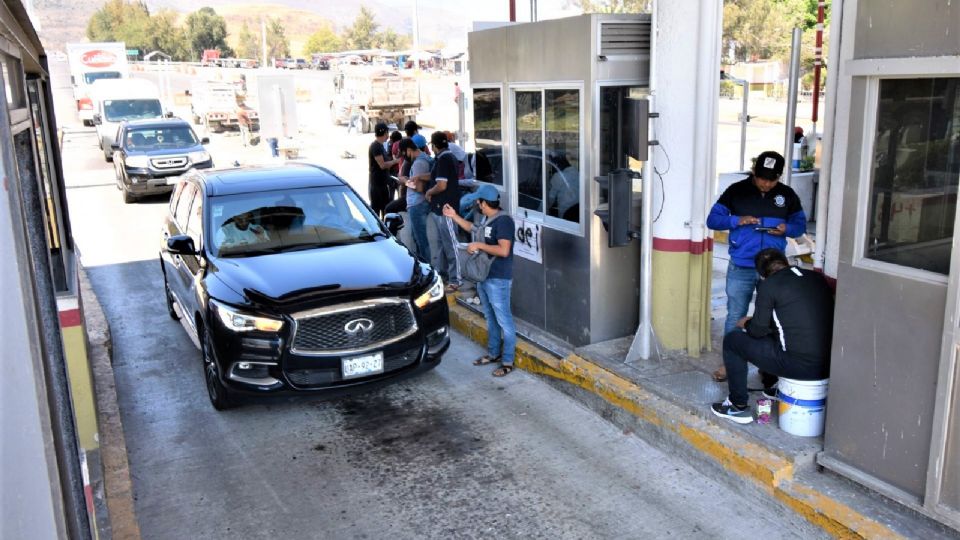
{"x":513,"y":10}
{"x":817,"y":63}
{"x":791,"y":106}
{"x":533,"y":10}
{"x":416,"y":25}
{"x":744,"y":118}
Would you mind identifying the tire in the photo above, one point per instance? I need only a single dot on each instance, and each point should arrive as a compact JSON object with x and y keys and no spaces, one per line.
{"x":107,"y":157}
{"x":219,"y":394}
{"x":166,"y":289}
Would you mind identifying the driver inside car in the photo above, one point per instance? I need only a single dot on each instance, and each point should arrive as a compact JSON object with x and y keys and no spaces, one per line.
{"x":240,"y":231}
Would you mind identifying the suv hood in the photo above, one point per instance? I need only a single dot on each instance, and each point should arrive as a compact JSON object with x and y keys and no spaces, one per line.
{"x":293,"y":276}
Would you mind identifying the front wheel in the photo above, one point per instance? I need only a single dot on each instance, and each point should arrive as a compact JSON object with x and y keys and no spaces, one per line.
{"x":219,"y":394}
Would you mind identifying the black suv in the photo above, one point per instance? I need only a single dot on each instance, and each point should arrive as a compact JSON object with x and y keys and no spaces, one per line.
{"x":288,"y":281}
{"x":147,"y":152}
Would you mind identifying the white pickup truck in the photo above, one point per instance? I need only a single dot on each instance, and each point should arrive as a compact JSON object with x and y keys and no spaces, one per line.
{"x":214,"y":104}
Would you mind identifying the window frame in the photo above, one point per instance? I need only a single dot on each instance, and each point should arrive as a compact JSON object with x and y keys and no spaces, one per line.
{"x":501,"y":188}
{"x":860,"y":258}
{"x":534,"y":216}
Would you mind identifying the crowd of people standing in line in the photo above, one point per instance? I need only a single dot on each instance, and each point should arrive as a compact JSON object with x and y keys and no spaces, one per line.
{"x":409,"y":174}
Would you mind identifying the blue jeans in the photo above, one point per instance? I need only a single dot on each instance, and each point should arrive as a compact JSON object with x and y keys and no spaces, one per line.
{"x":418,"y":226}
{"x":495,"y":298}
{"x":740,"y":285}
{"x":274,"y":145}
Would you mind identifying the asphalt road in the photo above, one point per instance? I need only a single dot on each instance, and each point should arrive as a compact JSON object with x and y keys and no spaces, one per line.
{"x":454,"y":453}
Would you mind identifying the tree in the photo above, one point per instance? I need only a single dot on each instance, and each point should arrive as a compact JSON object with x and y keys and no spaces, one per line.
{"x":363,"y":33}
{"x":207,"y":30}
{"x":278,"y":46}
{"x":119,"y":20}
{"x":248,"y":43}
{"x":323,"y":40}
{"x":392,"y":41}
{"x":761,"y":29}
{"x":166,"y":36}
{"x":612,"y":6}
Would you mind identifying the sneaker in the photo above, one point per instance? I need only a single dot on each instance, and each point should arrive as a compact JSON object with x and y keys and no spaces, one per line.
{"x":771,"y":393}
{"x":732,"y":412}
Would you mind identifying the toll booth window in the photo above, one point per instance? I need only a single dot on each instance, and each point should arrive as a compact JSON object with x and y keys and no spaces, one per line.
{"x":915,"y":171}
{"x":548,"y":153}
{"x":529,"y":110}
{"x":488,"y":135}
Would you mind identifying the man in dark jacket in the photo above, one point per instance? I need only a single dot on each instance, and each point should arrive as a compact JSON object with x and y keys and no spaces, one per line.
{"x":760,"y":213}
{"x":789,"y":334}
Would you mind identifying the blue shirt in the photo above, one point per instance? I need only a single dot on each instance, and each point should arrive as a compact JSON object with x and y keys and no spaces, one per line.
{"x":500,"y":229}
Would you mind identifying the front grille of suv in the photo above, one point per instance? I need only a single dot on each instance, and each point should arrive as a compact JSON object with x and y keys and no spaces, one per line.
{"x":351,"y":327}
{"x":169,"y":162}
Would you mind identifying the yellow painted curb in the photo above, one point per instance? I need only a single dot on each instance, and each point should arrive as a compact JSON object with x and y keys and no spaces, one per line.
{"x":769,"y":471}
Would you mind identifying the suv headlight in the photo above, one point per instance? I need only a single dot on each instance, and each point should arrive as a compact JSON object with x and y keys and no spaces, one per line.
{"x":239,"y":321}
{"x":137,"y":161}
{"x":433,"y":294}
{"x":199,"y":157}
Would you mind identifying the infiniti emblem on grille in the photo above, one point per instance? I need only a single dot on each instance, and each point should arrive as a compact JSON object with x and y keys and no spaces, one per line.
{"x":358,"y":327}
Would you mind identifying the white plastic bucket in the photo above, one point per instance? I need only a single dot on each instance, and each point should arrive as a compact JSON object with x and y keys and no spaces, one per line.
{"x":803,"y":406}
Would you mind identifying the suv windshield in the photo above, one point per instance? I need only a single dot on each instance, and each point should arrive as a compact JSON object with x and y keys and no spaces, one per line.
{"x":89,"y":78}
{"x":156,"y":138}
{"x":259,"y":223}
{"x":117,"y":110}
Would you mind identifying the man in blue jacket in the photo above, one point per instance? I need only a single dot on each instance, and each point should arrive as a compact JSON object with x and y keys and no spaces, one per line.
{"x":760,"y":213}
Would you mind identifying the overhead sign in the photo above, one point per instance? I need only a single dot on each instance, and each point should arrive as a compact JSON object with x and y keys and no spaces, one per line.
{"x":98,"y":58}
{"x":527,"y":243}
{"x":133,"y":52}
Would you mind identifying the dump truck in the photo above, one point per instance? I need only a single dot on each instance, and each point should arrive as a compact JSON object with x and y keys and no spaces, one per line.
{"x":90,"y":62}
{"x":214,"y":104}
{"x":378,"y":95}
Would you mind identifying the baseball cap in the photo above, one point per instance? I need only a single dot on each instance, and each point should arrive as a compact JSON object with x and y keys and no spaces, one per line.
{"x":439,"y":138}
{"x":769,"y":165}
{"x":419,"y":140}
{"x":381,"y":129}
{"x":485,"y":192}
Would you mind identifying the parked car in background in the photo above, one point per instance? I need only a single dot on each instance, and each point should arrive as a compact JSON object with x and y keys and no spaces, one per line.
{"x":289,"y":282}
{"x":322,"y":64}
{"x":290,"y":63}
{"x":301,"y":63}
{"x":147,"y":152}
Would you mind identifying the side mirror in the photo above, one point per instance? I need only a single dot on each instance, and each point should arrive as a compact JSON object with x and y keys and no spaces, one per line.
{"x":394,"y":223}
{"x":115,"y":146}
{"x":205,"y":140}
{"x":181,"y":245}
{"x":97,"y":119}
{"x":169,"y":114}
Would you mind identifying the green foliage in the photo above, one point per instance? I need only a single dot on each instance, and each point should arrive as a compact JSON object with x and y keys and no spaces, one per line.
{"x":278,"y":46}
{"x":248,"y":43}
{"x":132,"y":23}
{"x":207,"y":30}
{"x":613,"y":6}
{"x":363,"y":34}
{"x":322,"y":41}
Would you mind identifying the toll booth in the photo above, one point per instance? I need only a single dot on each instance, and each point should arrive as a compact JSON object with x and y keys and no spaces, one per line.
{"x":549,"y":102}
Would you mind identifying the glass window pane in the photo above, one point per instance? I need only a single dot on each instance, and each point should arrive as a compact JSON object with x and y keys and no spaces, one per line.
{"x":529,"y":122}
{"x":916,"y":167}
{"x":183,"y":207}
{"x":488,"y":135}
{"x":562,"y":111}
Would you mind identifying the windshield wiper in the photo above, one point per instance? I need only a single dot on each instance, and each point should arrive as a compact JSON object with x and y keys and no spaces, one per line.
{"x":367,"y":235}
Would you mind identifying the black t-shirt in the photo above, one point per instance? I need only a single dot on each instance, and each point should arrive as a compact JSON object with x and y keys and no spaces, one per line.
{"x":378,"y":176}
{"x":501,"y":228}
{"x":445,"y":166}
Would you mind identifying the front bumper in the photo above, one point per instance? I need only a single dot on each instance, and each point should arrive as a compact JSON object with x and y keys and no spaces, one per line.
{"x":150,"y":181}
{"x":255,"y":363}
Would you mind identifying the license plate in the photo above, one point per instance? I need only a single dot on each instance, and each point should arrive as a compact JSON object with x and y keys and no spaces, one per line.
{"x":361,"y":366}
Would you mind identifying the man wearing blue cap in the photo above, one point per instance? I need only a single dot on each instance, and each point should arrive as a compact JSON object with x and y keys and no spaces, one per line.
{"x":494,"y":238}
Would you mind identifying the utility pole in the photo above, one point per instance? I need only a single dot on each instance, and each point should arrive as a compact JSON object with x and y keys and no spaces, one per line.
{"x":416,"y":25}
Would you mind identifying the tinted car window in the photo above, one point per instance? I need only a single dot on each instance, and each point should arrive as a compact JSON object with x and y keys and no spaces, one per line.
{"x":195,"y":223}
{"x":174,"y":197}
{"x":258,"y":223}
{"x":157,"y":138}
{"x":183,"y":206}
{"x":117,"y":110}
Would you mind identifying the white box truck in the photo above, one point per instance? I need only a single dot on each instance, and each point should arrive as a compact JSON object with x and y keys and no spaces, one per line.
{"x":119,"y":100}
{"x":90,"y":62}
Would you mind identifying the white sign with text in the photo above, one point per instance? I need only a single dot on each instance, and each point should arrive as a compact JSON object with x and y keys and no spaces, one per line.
{"x":527,"y":243}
